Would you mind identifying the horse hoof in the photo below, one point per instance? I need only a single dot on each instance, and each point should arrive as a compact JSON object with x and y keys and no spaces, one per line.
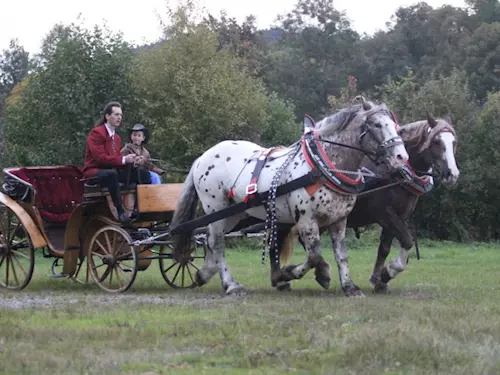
{"x":284,"y":286}
{"x":325,"y":283}
{"x":199,"y":281}
{"x":353,"y":291}
{"x":385,"y":277}
{"x":381,"y":288}
{"x":235,"y":289}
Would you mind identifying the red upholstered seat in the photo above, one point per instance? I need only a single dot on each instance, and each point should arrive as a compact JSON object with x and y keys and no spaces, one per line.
{"x":58,"y":189}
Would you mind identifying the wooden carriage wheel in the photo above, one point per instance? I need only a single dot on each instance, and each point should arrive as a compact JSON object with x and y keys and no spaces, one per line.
{"x":180,"y":272}
{"x":112,"y":259}
{"x":17,"y":254}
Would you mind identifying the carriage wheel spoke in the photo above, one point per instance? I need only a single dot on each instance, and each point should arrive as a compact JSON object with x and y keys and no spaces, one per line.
{"x":192,"y":264}
{"x":106,"y":236}
{"x":101,"y":246}
{"x":169,"y":268}
{"x":111,"y":276}
{"x":183,"y":268}
{"x":14,"y":273}
{"x":114,"y":242}
{"x":124,"y":255}
{"x":3,"y":258}
{"x":7,"y":272}
{"x":178,"y":269}
{"x":105,"y":274}
{"x":121,"y":266}
{"x":11,"y":238}
{"x":19,"y":263}
{"x":189,"y":271}
{"x":100,"y":265}
{"x":17,"y":252}
{"x":118,"y":278}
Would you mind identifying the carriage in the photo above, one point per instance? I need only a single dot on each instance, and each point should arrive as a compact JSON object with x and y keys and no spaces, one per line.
{"x":75,"y":223}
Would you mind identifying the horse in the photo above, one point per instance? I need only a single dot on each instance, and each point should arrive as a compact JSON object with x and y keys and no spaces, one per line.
{"x":431,"y":145}
{"x":221,"y":178}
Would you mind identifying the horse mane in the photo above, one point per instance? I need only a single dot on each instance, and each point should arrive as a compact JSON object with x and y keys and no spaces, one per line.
{"x":417,"y":133}
{"x":339,"y":120}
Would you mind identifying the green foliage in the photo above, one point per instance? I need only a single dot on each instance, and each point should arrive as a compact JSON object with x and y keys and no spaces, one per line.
{"x":48,"y":119}
{"x":483,"y":59}
{"x":196,"y":95}
{"x":312,"y":57}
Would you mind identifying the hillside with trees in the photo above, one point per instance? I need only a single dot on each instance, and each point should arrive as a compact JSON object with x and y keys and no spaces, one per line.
{"x":213,"y":79}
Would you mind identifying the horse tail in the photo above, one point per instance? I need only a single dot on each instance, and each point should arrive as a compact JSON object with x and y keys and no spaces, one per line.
{"x":185,"y":211}
{"x":287,"y":250}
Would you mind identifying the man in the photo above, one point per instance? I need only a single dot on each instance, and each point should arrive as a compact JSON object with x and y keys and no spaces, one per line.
{"x":104,"y":162}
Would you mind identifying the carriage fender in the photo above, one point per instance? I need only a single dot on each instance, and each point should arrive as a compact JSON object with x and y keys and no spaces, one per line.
{"x":36,"y":237}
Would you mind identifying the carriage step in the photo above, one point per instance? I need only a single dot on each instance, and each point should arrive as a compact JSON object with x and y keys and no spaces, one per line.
{"x":59,"y":275}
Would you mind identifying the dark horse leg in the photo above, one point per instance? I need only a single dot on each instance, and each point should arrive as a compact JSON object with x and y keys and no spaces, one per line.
{"x":280,"y":278}
{"x":384,"y":249}
{"x":395,"y":226}
{"x":277,"y":279}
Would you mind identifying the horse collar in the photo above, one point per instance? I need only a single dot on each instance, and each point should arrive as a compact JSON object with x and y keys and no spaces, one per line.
{"x":319,"y":162}
{"x":414,"y":183}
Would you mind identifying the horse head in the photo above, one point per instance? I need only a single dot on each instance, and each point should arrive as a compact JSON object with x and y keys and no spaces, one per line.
{"x":374,"y":125}
{"x":440,"y":147}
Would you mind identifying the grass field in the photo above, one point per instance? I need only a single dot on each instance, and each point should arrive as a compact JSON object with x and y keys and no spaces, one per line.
{"x":442,"y":317}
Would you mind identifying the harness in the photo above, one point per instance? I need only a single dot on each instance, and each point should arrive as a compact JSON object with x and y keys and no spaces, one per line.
{"x":251,"y":188}
{"x":318,"y":161}
{"x":414,"y":183}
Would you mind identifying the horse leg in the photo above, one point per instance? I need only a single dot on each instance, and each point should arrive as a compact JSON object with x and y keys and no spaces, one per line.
{"x":310,"y":235}
{"x":398,"y":264}
{"x":274,"y":258}
{"x":384,"y":249}
{"x":337,"y":235}
{"x":215,"y":260}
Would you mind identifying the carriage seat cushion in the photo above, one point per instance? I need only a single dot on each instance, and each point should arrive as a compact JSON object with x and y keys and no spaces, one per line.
{"x":58,"y":190}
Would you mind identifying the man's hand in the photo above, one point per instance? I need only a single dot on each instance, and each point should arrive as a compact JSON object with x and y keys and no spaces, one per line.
{"x":130,"y":159}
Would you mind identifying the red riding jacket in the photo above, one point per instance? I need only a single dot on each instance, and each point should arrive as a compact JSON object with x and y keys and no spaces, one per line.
{"x":100,"y":153}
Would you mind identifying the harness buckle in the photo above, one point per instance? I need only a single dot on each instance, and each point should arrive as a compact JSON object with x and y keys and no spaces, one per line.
{"x":251,"y":189}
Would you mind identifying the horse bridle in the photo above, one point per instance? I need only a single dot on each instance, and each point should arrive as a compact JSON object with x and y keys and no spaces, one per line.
{"x":383,"y":146}
{"x":436,"y":171}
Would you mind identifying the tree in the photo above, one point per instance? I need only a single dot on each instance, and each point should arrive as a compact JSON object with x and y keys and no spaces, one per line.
{"x":483,"y":59}
{"x":196,"y":94}
{"x":484,"y":11}
{"x":312,"y":57}
{"x":440,"y":213}
{"x":52,"y":111}
{"x":15,"y":64}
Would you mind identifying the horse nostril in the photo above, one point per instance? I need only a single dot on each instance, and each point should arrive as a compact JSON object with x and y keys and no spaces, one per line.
{"x":399,"y":157}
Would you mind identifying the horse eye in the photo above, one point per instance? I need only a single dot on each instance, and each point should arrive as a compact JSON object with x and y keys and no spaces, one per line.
{"x":378,"y":125}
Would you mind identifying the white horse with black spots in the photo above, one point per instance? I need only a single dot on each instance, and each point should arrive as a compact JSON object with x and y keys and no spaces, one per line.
{"x":219,"y":178}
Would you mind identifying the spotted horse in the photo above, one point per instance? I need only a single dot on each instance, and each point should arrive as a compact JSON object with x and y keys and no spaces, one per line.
{"x":220,"y":178}
{"x":391,"y":199}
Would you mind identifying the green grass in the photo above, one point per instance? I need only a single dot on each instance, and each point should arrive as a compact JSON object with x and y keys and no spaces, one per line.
{"x":442,"y":317}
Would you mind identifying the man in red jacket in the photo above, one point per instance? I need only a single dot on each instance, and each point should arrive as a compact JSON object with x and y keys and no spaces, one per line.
{"x":104,"y":162}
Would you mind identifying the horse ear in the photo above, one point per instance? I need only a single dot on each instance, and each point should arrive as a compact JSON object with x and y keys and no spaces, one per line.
{"x":448,"y":118}
{"x":431,"y":120}
{"x":309,"y":123}
{"x":366,"y":105}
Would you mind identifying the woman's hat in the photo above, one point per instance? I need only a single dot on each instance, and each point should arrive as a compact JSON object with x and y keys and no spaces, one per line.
{"x":139,"y":128}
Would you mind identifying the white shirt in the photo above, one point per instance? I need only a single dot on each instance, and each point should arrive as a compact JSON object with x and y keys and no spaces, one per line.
{"x":111,"y":133}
